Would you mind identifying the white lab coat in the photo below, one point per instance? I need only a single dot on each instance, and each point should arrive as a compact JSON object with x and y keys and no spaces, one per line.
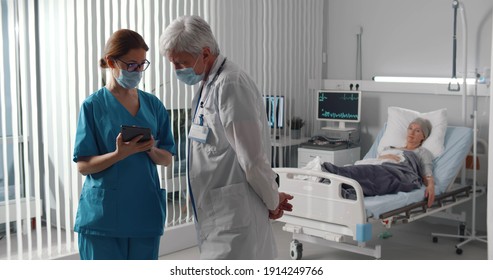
{"x":231,"y":179}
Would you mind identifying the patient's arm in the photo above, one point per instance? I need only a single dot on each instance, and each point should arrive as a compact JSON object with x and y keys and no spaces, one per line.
{"x":430,"y":189}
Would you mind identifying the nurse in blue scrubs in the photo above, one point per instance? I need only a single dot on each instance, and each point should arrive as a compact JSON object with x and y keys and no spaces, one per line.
{"x":122,"y":208}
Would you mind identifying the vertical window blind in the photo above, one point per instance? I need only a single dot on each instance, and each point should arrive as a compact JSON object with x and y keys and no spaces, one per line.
{"x":50,"y":53}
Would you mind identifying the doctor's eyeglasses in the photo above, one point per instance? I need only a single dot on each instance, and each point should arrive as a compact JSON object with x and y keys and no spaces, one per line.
{"x":132,"y":67}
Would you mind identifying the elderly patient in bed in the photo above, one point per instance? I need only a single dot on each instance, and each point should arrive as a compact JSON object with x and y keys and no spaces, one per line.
{"x":397,"y":169}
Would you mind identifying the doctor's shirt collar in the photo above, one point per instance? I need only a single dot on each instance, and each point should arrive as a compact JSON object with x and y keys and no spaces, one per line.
{"x":215,"y":68}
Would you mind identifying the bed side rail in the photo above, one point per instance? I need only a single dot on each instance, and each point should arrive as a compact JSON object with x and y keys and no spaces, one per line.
{"x":321,"y":201}
{"x":420,"y":209}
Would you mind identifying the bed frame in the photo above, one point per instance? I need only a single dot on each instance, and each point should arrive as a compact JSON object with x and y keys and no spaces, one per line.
{"x":322,"y":216}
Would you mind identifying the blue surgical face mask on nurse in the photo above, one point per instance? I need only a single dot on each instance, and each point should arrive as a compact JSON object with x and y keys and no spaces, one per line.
{"x":131,"y":77}
{"x":129,"y":80}
{"x":188,"y":76}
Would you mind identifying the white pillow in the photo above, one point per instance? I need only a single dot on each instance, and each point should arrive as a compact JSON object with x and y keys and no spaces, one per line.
{"x":398,"y":121}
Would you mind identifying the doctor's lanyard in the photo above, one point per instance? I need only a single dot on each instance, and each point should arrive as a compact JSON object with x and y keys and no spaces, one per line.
{"x":201,"y":103}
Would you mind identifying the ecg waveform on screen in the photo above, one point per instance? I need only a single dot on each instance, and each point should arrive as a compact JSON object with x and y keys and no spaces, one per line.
{"x":346,"y":116}
{"x":339,"y":106}
{"x":345,"y":97}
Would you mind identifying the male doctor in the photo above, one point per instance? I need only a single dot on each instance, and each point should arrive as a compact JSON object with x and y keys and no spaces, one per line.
{"x":233,"y":188}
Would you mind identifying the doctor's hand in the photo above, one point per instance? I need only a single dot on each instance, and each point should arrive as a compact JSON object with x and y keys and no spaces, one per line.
{"x":125,"y":149}
{"x":275,"y":214}
{"x":284,"y":205}
{"x":283,"y":202}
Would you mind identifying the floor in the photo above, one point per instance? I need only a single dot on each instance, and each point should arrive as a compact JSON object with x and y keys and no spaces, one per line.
{"x":407,"y":242}
{"x":404,"y":242}
{"x":59,"y":248}
{"x":56,"y":248}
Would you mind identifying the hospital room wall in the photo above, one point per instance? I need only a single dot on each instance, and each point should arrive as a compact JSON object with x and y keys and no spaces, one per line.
{"x":404,"y":38}
{"x":409,"y":38}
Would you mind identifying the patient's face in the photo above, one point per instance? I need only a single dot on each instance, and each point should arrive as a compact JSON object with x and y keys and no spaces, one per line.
{"x":415,"y":135}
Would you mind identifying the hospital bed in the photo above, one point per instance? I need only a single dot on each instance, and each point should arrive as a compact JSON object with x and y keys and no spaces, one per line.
{"x":321,"y":215}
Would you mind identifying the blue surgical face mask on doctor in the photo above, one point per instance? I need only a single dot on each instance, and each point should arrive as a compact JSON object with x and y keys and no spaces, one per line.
{"x":129,"y":80}
{"x":188,"y":76}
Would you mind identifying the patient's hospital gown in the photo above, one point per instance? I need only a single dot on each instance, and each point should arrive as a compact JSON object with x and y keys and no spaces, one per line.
{"x":231,"y":178}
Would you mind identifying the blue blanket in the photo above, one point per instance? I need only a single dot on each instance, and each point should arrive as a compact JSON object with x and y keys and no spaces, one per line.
{"x":387,"y":178}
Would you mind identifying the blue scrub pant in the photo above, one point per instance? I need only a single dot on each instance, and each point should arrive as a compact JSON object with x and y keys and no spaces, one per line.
{"x":95,"y":247}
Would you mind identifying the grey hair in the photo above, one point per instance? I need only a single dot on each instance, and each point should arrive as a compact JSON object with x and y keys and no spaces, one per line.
{"x":188,"y":34}
{"x":425,"y":126}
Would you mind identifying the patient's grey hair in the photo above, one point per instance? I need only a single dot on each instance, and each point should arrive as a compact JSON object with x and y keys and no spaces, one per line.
{"x":425,"y":126}
{"x":188,"y":34}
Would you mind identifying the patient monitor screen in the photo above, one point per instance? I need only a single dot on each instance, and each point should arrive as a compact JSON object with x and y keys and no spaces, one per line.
{"x":343,"y":106}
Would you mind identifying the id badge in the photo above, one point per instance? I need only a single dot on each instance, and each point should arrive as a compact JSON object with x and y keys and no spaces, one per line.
{"x":198,"y":133}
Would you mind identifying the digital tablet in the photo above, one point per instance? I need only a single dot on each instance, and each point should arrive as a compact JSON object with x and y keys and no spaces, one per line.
{"x":129,"y":132}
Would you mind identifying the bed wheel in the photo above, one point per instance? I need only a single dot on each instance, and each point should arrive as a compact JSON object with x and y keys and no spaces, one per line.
{"x":458,"y":251}
{"x":435,"y":239}
{"x":296,"y":250}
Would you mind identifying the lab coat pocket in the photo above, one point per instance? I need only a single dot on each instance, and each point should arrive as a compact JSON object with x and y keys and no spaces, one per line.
{"x":216,"y":139}
{"x":97,"y":209}
{"x":231,"y":210}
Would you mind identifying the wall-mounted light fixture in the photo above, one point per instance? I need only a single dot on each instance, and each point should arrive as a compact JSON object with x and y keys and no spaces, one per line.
{"x":422,"y":80}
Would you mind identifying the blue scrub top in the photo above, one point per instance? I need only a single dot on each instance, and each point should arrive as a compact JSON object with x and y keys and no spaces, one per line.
{"x":124,"y":200}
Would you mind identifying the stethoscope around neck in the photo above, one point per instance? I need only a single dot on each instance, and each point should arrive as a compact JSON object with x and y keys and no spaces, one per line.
{"x":202,"y":102}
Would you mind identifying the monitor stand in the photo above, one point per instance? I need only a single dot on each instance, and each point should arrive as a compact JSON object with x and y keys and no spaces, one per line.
{"x":341,"y":127}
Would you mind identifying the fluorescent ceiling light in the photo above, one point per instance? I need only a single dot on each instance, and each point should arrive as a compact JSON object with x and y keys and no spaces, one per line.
{"x":422,"y":80}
